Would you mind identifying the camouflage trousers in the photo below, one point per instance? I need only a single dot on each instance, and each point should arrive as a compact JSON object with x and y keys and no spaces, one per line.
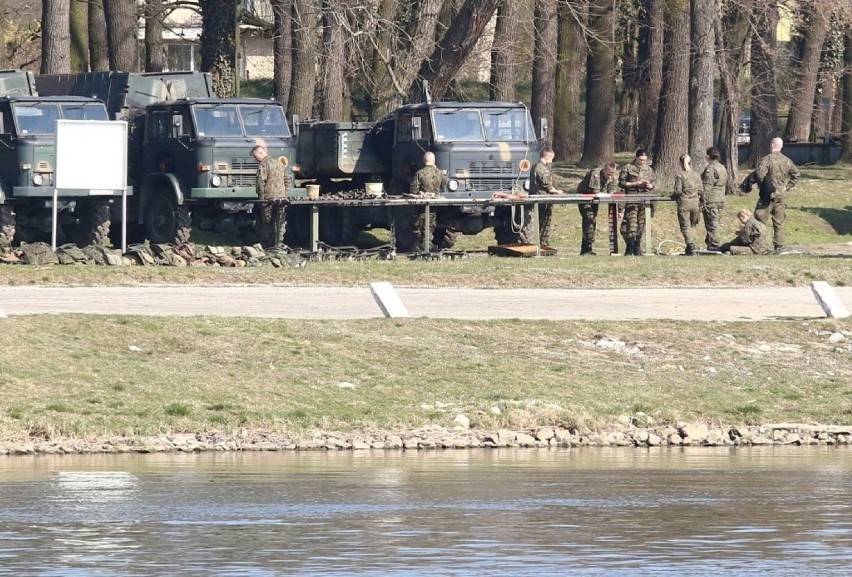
{"x":545,"y":216}
{"x":589,"y":214}
{"x":778,"y":211}
{"x":688,"y":217}
{"x":713,"y":224}
{"x":633,"y":223}
{"x":273,"y":223}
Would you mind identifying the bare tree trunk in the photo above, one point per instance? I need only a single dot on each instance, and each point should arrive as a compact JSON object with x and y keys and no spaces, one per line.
{"x":599,"y":139}
{"x":382,"y":93}
{"x":802,"y":106}
{"x":627,"y":121}
{"x":571,"y":55}
{"x":846,"y":103}
{"x":155,"y":55}
{"x":79,"y":36}
{"x":764,"y":93}
{"x":504,"y":57}
{"x":98,"y":49}
{"x":651,"y":70}
{"x":545,"y":29}
{"x":701,"y":80}
{"x":330,"y":97}
{"x":55,"y":37}
{"x":282,"y":45}
{"x":305,"y":49}
{"x":121,"y":35}
{"x":218,"y":23}
{"x":673,"y":120}
{"x":454,"y":47}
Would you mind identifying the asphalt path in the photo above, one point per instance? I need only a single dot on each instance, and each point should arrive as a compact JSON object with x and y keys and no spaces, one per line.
{"x":711,"y":304}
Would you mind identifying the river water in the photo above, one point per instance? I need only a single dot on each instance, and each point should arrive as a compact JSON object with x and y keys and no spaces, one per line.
{"x":694,"y":511}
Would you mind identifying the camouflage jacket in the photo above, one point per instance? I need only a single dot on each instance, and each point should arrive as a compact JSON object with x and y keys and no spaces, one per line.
{"x":429,"y":179}
{"x":715,"y":178}
{"x":755,"y":235}
{"x":632,"y":173}
{"x":780,"y":169}
{"x":542,"y":180}
{"x":593,"y":183}
{"x":272,"y":179}
{"x":687,"y":185}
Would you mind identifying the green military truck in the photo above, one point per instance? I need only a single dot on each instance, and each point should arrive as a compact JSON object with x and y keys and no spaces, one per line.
{"x":189,"y":158}
{"x":28,"y":164}
{"x":483,"y":147}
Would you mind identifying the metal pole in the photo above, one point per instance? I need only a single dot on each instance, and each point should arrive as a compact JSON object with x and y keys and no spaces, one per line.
{"x":237,"y":12}
{"x":124,"y":220}
{"x":53,"y":219}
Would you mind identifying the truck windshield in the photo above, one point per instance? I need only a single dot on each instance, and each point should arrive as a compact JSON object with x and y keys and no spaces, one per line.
{"x":93,"y":111}
{"x":39,"y":118}
{"x":511,"y":124}
{"x":458,"y":125}
{"x":240,"y":120}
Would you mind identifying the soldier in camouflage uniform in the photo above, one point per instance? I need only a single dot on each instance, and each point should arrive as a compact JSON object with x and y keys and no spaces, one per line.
{"x":687,"y":191}
{"x":783,"y":175}
{"x":542,"y":183}
{"x":598,"y":180}
{"x":714,"y":178}
{"x":429,"y":180}
{"x":272,"y":184}
{"x":753,"y":237}
{"x":635,"y":178}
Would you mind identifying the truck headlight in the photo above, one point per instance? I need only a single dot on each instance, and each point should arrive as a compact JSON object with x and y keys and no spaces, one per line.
{"x":37,"y":179}
{"x":215,"y":180}
{"x":527,"y":185}
{"x":453,"y":185}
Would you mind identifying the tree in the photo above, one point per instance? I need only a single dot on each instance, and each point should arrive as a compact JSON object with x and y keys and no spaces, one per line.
{"x":155,"y":55}
{"x":702,"y":69}
{"x":79,"y":36}
{"x":504,"y":55}
{"x":282,"y":45}
{"x":599,"y":134}
{"x":332,"y":75}
{"x":846,"y":122}
{"x":764,"y":93}
{"x":98,"y":49}
{"x":55,"y":37}
{"x":571,"y":56}
{"x":807,"y":71}
{"x":121,"y":30}
{"x":544,"y":63}
{"x":218,"y":49}
{"x":304,"y":58}
{"x":652,"y":26}
{"x":672,"y":137}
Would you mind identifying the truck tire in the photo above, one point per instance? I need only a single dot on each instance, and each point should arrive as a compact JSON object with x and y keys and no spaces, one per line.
{"x":444,"y":238}
{"x":165,"y":221}
{"x":408,"y":230}
{"x":7,"y":223}
{"x":92,"y":223}
{"x":337,"y":227}
{"x":508,"y":228}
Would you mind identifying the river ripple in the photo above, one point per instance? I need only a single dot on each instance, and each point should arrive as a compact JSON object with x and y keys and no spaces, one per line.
{"x":768,"y":511}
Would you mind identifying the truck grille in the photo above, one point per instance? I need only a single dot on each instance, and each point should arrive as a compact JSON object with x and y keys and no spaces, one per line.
{"x":242,"y":180}
{"x":243,"y":164}
{"x":481,"y":167}
{"x":491,"y":183}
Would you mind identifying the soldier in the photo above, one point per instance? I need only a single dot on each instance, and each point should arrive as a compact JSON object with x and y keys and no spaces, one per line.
{"x":542,"y":183}
{"x":635,"y":178}
{"x":714,"y":178}
{"x":753,"y":237}
{"x":272,"y":184}
{"x":687,"y":191}
{"x":429,"y":180}
{"x":596,"y":181}
{"x":775,"y":171}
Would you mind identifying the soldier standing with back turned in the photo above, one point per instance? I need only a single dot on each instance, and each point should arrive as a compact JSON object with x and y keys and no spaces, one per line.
{"x":272,"y":185}
{"x":783,"y":175}
{"x":714,"y":178}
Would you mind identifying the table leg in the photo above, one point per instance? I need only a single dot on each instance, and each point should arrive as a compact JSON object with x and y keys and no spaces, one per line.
{"x":427,"y":234}
{"x":612,"y":214}
{"x":314,"y":228}
{"x":648,"y":240}
{"x":536,"y":232}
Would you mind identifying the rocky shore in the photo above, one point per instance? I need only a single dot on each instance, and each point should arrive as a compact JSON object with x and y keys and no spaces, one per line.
{"x":460,"y":437}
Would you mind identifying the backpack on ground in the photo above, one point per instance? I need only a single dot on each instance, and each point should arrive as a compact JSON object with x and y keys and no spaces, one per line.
{"x":38,"y":253}
{"x":70,"y":253}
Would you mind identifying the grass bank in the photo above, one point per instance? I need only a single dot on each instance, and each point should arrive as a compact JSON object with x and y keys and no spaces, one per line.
{"x":81,"y":376}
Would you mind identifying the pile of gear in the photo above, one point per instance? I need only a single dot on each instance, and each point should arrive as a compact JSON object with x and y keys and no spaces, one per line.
{"x":144,"y":254}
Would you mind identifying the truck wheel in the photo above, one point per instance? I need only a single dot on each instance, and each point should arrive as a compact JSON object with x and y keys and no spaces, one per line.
{"x":444,"y":238}
{"x":7,"y":223}
{"x":405,"y":230}
{"x":165,"y":221}
{"x":510,"y":227}
{"x":337,"y":227}
{"x":92,"y":223}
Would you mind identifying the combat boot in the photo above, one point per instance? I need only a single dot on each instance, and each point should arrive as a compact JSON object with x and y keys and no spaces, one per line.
{"x":631,"y":248}
{"x":637,"y":248}
{"x":586,"y":249}
{"x":690,"y":250}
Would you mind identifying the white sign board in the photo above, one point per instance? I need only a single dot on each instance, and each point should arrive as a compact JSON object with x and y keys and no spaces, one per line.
{"x":91,"y":155}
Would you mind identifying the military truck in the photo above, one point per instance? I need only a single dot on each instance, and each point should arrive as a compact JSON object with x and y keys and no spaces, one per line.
{"x":483,"y":147}
{"x":189,"y":158}
{"x":28,"y":163}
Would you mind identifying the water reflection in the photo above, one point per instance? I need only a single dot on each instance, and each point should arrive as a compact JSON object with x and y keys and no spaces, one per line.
{"x":506,"y":512}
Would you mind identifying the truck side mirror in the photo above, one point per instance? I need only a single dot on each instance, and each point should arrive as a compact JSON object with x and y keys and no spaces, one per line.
{"x":543,"y":128}
{"x":295,"y":130}
{"x":177,"y":126}
{"x":416,"y":128}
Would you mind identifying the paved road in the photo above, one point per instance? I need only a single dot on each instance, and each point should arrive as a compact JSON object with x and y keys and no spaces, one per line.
{"x":724,"y":304}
